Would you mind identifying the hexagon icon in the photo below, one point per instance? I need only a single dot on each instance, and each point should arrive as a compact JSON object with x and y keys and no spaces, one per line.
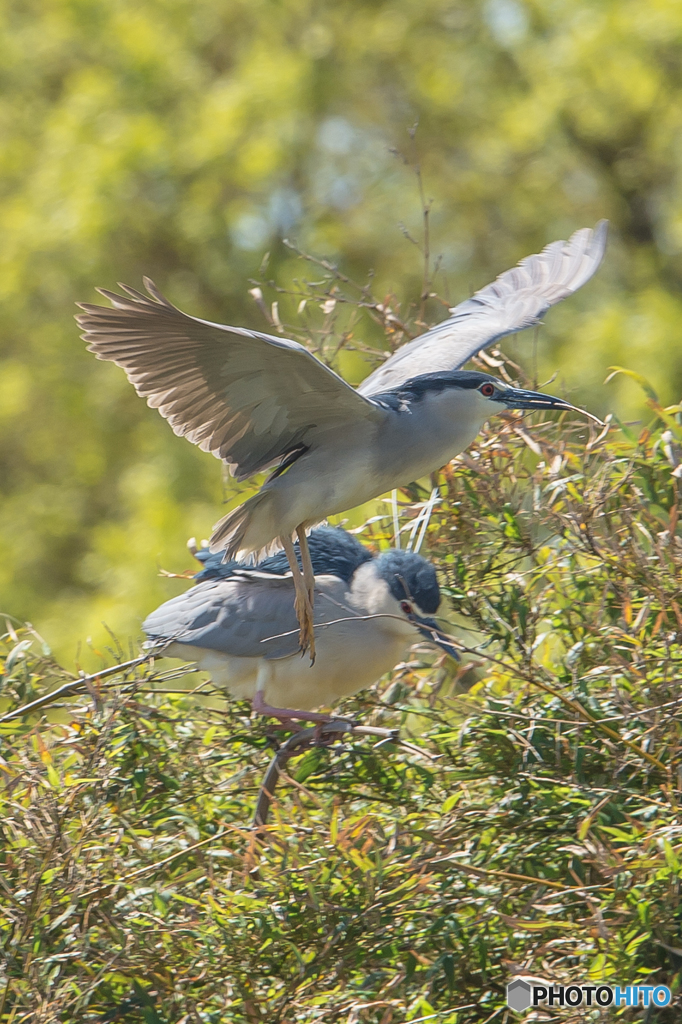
{"x":518,"y":995}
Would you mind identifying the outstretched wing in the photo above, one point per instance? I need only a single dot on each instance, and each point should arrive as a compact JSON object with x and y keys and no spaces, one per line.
{"x":249,"y":615}
{"x":248,"y":398}
{"x":517,"y":299}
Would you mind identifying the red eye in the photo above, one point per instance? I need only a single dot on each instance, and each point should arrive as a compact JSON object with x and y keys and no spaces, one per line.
{"x":487,"y":389}
{"x":406,"y":607}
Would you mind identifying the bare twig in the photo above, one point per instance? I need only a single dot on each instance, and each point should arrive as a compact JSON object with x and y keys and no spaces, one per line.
{"x":74,"y":687}
{"x":304,"y":738}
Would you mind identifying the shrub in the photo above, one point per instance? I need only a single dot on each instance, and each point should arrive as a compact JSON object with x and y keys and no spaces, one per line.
{"x":532,"y":826}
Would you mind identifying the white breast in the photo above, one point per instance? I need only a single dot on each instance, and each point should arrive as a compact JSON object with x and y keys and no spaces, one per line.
{"x":350,"y":656}
{"x":438,"y":427}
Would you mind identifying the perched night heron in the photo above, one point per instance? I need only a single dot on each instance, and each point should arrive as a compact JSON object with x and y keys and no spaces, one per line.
{"x":238,"y":623}
{"x":260,"y":402}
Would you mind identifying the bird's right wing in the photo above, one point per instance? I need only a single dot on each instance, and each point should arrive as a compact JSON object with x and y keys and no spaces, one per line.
{"x":249,"y":398}
{"x":517,"y":299}
{"x":249,"y":615}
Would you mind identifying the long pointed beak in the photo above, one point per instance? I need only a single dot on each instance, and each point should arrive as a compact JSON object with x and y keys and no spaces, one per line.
{"x":430,"y":631}
{"x":517,"y":398}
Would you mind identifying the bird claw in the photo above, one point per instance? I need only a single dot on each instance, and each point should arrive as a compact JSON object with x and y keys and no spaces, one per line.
{"x":304,"y":614}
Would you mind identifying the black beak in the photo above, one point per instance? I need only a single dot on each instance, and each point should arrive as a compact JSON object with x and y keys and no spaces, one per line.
{"x":430,"y":631}
{"x":517,"y":398}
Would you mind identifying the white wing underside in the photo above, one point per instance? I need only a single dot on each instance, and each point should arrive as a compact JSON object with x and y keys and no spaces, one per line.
{"x":519,"y":298}
{"x":246,"y":397}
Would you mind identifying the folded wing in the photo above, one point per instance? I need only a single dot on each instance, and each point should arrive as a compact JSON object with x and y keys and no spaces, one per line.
{"x":249,"y":615}
{"x":248,"y":398}
{"x":517,"y":299}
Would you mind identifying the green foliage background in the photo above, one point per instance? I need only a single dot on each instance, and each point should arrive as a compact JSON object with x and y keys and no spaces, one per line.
{"x":184,"y":138}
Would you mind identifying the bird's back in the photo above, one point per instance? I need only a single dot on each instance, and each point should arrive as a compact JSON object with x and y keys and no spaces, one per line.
{"x":333,"y":552}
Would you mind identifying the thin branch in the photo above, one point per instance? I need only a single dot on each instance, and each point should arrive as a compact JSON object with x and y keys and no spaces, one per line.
{"x":306,"y":737}
{"x":73,"y":688}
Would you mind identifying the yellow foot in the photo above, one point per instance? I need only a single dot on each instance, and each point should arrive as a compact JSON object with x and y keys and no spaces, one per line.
{"x":304,"y":614}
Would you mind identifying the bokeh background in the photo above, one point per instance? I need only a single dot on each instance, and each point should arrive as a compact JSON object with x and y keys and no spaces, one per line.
{"x":184,"y":139}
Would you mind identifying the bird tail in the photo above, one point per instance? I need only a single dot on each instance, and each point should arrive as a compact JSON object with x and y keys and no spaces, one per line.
{"x":246,"y":532}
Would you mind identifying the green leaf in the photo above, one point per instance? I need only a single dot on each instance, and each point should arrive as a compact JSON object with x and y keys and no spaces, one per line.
{"x":642,"y":381}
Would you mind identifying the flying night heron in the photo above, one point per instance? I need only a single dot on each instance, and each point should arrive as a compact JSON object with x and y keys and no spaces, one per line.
{"x":265,"y":403}
{"x":239,"y":624}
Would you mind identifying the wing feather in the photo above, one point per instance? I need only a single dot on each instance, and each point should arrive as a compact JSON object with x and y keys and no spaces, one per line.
{"x":238,"y":616}
{"x":246,"y":397}
{"x":517,"y":299}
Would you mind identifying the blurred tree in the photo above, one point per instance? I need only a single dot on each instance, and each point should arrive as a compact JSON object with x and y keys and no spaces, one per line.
{"x":184,"y":138}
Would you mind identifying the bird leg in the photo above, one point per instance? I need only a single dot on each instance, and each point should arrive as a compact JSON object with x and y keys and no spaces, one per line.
{"x":286,"y":715}
{"x":306,"y":562}
{"x":303,"y":601}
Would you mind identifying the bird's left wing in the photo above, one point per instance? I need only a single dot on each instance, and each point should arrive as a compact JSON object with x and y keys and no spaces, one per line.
{"x":517,"y":299}
{"x":248,"y":398}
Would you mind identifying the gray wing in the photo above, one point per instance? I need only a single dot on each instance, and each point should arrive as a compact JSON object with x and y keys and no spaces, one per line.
{"x":248,"y":398}
{"x":517,"y":299}
{"x":237,"y":616}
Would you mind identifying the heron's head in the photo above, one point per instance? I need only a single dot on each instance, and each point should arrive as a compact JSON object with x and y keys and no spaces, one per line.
{"x":478,"y":395}
{"x":494,"y":395}
{"x":410,"y":592}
